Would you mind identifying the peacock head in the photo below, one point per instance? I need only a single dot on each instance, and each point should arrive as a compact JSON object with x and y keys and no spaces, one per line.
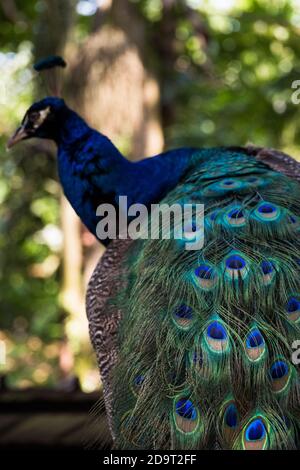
{"x":41,"y":120}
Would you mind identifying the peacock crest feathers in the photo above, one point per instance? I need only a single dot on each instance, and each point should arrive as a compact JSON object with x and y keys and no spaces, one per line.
{"x":206,"y":335}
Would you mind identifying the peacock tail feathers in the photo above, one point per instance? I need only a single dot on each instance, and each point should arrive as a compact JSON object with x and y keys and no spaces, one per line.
{"x":206,"y":336}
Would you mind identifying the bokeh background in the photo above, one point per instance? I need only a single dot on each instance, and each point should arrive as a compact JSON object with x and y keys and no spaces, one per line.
{"x":151,"y":74}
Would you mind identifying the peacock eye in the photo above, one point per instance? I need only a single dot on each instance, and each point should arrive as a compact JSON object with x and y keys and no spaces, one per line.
{"x":33,"y":116}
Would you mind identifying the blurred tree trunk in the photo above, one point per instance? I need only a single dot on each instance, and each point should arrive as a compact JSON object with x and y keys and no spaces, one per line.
{"x":112,"y":85}
{"x":54,"y":26}
{"x":52,"y":35}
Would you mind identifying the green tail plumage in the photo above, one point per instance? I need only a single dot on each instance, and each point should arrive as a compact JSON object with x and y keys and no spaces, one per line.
{"x":206,"y":336}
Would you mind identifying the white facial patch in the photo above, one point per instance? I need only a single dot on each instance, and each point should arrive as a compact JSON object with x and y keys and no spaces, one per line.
{"x":42,"y":117}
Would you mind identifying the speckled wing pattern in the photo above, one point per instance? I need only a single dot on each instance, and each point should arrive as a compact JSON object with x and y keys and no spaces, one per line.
{"x":103,"y":317}
{"x":276,"y":160}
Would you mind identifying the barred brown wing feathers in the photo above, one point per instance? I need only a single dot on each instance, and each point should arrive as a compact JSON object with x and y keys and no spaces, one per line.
{"x":103,"y":317}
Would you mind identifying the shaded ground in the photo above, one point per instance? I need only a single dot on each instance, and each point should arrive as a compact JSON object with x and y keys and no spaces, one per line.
{"x":50,"y":419}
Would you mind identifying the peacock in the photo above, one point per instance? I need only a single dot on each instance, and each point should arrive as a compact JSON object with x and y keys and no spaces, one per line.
{"x":194,"y":346}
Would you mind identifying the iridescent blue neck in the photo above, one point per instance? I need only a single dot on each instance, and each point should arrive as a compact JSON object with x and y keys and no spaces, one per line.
{"x":93,"y":171}
{"x":71,"y":129}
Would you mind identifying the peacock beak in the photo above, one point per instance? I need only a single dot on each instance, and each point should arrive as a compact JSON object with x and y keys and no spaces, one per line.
{"x":19,"y":135}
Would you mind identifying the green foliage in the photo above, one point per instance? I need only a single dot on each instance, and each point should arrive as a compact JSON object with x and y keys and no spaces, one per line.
{"x":233,"y":85}
{"x":29,"y":203}
{"x":18,"y":28}
{"x":29,"y":290}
